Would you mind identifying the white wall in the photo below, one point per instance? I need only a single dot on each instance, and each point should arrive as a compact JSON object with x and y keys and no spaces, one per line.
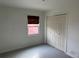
{"x":73,"y":33}
{"x":13,"y":29}
{"x":72,"y":11}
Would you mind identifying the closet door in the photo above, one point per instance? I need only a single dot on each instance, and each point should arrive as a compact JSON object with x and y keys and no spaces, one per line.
{"x":56,"y":26}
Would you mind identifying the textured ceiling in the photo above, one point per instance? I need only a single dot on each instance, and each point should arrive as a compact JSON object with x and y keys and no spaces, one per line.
{"x":39,"y":4}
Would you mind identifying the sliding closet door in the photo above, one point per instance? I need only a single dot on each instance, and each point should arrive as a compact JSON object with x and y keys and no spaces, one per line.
{"x":56,"y":26}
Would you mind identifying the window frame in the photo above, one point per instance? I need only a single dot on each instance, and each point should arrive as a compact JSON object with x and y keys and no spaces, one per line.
{"x":36,"y":26}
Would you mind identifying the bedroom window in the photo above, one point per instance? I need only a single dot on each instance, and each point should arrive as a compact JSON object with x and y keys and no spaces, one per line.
{"x":33,"y":25}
